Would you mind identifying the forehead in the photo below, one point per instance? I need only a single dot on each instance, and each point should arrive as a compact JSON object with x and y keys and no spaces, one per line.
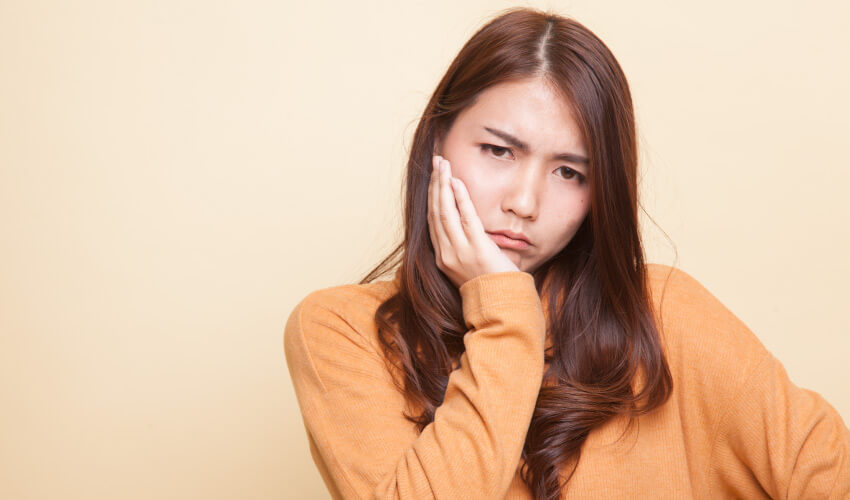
{"x":530,"y":109}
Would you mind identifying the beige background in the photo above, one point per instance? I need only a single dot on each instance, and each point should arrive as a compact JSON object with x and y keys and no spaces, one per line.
{"x":176,"y":175}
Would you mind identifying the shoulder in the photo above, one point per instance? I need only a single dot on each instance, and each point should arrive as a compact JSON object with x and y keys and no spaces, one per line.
{"x":675,"y":286}
{"x":335,"y":318}
{"x":686,"y":304}
{"x":708,"y":346}
{"x":349,"y":300}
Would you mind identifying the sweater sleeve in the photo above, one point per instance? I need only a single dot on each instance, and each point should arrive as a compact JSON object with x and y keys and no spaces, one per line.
{"x":764,"y":436}
{"x":788,"y":438}
{"x":353,"y":413}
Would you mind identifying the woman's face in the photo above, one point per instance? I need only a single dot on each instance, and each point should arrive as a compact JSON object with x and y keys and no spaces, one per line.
{"x":520,"y":154}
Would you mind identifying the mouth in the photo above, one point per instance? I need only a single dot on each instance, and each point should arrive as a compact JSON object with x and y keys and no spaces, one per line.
{"x":507,"y":242}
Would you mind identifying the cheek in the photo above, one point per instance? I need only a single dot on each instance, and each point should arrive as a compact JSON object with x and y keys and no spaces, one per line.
{"x":584,"y":205}
{"x":475,"y":193}
{"x":476,"y":184}
{"x":577,"y":205}
{"x":570,"y":215}
{"x":485,"y":199}
{"x":465,"y":167}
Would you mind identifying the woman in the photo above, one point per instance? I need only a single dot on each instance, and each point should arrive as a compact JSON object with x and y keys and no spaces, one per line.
{"x":524,"y":349}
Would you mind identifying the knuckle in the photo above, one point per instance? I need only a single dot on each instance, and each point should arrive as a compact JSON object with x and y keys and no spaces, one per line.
{"x":449,"y":261}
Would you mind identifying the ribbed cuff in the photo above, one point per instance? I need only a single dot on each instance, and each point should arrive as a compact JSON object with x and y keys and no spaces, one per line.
{"x":489,"y":295}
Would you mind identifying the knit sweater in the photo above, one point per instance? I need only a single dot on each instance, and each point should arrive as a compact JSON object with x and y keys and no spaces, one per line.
{"x":735,"y":426}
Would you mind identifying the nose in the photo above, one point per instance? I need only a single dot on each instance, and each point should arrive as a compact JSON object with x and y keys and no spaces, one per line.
{"x":522,"y":195}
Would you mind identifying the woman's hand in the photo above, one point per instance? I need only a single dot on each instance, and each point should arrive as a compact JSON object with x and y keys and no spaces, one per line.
{"x":461,"y":245}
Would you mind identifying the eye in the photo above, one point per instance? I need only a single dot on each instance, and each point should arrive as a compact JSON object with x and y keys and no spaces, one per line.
{"x":572,"y":174}
{"x":496,"y":151}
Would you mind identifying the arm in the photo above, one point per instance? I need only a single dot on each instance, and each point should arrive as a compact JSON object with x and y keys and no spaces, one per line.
{"x":353,"y":412}
{"x":765,"y":436}
{"x":790,"y":439}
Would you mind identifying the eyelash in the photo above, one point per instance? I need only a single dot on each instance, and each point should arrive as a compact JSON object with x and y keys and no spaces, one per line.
{"x":492,"y":148}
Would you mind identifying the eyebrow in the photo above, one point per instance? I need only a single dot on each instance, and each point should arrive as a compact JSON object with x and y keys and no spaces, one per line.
{"x":522,"y":146}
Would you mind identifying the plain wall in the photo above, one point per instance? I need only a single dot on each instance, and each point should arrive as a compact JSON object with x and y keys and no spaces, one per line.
{"x":176,"y":175}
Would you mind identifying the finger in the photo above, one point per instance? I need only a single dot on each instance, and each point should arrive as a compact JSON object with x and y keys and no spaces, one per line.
{"x":439,"y":225}
{"x":449,"y":213}
{"x":438,"y":239}
{"x":431,"y":205}
{"x":469,"y":219}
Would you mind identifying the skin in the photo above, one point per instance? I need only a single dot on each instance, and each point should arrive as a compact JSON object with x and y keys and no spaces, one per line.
{"x":527,"y":192}
{"x":461,"y":246}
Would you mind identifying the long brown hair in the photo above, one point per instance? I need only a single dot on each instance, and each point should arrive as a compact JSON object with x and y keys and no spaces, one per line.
{"x":600,"y":320}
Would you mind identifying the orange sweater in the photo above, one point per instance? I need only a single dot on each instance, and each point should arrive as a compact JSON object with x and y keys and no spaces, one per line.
{"x":735,"y":426}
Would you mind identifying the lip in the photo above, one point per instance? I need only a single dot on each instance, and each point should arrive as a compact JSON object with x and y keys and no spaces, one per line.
{"x":509,"y":239}
{"x":512,"y":235}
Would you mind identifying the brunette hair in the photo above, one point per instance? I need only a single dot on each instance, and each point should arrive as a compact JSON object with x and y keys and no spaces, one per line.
{"x":600,"y":320}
